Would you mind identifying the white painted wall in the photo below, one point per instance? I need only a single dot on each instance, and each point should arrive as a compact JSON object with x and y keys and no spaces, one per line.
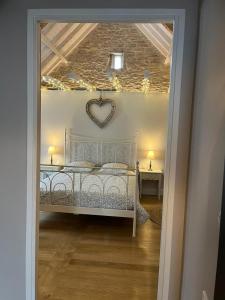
{"x":136,"y":114}
{"x":13,"y":120}
{"x":207,"y":156}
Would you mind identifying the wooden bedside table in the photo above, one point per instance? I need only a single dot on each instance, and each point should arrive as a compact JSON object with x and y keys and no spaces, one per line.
{"x":46,"y":170}
{"x":151,"y":176}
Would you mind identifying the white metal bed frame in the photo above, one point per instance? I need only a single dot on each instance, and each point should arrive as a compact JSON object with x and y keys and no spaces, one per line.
{"x":99,"y":151}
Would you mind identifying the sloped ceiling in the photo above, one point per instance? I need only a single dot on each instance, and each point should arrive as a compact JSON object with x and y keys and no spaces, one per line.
{"x":59,"y":40}
{"x":64,"y":43}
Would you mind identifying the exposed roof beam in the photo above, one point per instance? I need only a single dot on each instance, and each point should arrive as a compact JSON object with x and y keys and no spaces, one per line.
{"x":159,"y":36}
{"x":60,"y":39}
{"x":168,"y":57}
{"x":57,"y":33}
{"x":53,"y":48}
{"x":63,"y":34}
{"x":71,"y":41}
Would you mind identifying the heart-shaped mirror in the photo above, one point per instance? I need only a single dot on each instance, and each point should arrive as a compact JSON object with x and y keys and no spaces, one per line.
{"x":100,"y":121}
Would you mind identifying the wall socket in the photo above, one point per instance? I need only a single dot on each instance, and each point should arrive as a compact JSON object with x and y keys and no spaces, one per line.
{"x":204,"y":295}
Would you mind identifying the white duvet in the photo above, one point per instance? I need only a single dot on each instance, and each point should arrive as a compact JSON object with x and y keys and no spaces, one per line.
{"x":93,"y":190}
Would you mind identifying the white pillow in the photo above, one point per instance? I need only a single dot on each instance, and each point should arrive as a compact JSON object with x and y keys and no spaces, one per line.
{"x":114,"y":168}
{"x":79,"y":166}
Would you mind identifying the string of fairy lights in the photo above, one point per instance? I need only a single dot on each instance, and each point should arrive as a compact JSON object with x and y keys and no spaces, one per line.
{"x":116,"y":63}
{"x":116,"y":84}
{"x":53,"y":83}
{"x":48,"y":82}
{"x":89,"y":87}
{"x":145,"y":86}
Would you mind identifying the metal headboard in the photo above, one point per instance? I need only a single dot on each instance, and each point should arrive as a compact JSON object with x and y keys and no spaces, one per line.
{"x":99,"y":151}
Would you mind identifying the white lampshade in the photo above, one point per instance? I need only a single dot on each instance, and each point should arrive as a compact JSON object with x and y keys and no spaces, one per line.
{"x":151,"y":154}
{"x":51,"y":149}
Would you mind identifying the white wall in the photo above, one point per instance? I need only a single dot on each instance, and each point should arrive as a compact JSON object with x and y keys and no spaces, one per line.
{"x":136,"y":114}
{"x":207,"y":156}
{"x":13,"y":120}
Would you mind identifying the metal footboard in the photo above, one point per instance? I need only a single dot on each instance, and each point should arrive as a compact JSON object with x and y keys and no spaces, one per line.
{"x":94,"y":193}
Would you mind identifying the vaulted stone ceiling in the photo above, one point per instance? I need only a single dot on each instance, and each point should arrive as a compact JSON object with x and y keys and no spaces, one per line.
{"x":85,"y":49}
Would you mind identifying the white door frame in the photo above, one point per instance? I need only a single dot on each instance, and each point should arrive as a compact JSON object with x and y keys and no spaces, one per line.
{"x":170,"y":271}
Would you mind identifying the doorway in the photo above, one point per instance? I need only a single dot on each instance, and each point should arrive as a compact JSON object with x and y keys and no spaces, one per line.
{"x":34,"y":130}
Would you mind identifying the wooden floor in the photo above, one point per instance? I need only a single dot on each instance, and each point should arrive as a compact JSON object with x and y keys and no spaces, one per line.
{"x":90,"y":257}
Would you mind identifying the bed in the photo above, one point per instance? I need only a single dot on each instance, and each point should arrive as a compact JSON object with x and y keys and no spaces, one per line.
{"x":100,"y":177}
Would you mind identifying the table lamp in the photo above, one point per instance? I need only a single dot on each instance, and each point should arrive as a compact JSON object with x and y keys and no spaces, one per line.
{"x":151,"y":155}
{"x":51,"y":151}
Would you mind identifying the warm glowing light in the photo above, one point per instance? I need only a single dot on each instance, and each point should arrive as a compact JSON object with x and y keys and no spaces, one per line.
{"x":145,"y":84}
{"x":116,"y":83}
{"x":86,"y":85}
{"x":54,"y":83}
{"x":51,"y":149}
{"x":151,"y":154}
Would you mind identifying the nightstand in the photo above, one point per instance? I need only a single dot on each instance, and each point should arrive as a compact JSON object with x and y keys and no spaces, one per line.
{"x":151,"y":176}
{"x":47,"y":170}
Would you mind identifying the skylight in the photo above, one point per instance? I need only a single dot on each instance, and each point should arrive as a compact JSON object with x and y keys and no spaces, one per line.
{"x":117,"y":61}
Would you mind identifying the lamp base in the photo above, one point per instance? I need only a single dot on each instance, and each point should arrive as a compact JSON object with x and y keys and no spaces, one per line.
{"x":150,"y":166}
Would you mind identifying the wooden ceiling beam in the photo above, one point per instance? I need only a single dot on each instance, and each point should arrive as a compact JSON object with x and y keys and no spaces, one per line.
{"x":63,"y":38}
{"x":70,"y":43}
{"x":159,"y":36}
{"x":53,"y":48}
{"x":60,"y":39}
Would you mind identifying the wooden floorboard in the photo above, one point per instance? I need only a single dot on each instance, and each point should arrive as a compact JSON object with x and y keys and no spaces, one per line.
{"x":91,"y":257}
